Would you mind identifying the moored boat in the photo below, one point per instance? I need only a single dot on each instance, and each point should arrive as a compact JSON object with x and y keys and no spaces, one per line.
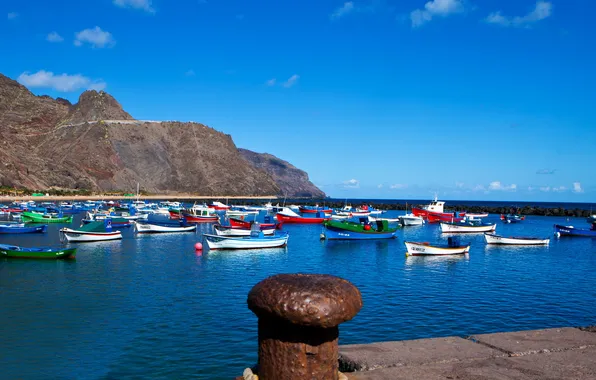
{"x":468,"y":226}
{"x":235,"y":222}
{"x":14,"y":251}
{"x":477,"y":215}
{"x":254,"y":241}
{"x":314,"y":209}
{"x":240,"y":231}
{"x":361,"y":230}
{"x":573,"y":231}
{"x":436,"y":209}
{"x":289,"y":216}
{"x":426,"y":249}
{"x":34,"y":217}
{"x":91,"y":232}
{"x":411,"y":220}
{"x":511,"y":218}
{"x":496,"y":239}
{"x":218,"y":206}
{"x":163,"y":228}
{"x":20,"y":228}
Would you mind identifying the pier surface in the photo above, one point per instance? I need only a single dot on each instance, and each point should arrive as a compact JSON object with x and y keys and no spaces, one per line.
{"x":561,"y":353}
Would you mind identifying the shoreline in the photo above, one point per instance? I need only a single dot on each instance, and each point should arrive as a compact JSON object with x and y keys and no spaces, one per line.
{"x":11,"y":198}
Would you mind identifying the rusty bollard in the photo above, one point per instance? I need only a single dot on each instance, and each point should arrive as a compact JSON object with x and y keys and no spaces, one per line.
{"x":299,"y":315}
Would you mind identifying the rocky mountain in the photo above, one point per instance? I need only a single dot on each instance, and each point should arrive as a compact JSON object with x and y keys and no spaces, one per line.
{"x":96,"y":145}
{"x":292,"y":181}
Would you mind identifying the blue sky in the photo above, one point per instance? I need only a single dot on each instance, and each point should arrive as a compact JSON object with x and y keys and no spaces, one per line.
{"x":485,"y":99}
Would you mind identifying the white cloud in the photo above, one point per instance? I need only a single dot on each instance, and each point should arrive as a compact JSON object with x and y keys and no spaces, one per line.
{"x":542,"y":10}
{"x":351,"y":184}
{"x":291,"y":81}
{"x":12,"y":15}
{"x":136,"y":4}
{"x":271,"y":82}
{"x":459,"y":185}
{"x":96,"y":37}
{"x":348,"y":7}
{"x":546,"y":189}
{"x":434,"y":8}
{"x":479,"y":188}
{"x":577,"y":187}
{"x":398,"y":186}
{"x":62,"y":82}
{"x":498,"y":186}
{"x":54,"y":37}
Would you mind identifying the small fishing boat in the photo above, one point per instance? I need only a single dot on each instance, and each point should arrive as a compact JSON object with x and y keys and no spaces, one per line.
{"x":453,"y":247}
{"x":573,"y":231}
{"x":240,"y":211}
{"x":218,"y":206}
{"x":117,"y":222}
{"x":433,"y":217}
{"x":388,"y":220}
{"x":314,"y":210}
{"x":94,"y":231}
{"x":350,"y":212}
{"x":496,"y":239}
{"x":34,"y":217}
{"x":436,"y":209}
{"x":20,"y":228}
{"x":467,"y":226}
{"x":256,"y":240}
{"x":477,"y":215}
{"x":411,"y":220}
{"x":240,"y":231}
{"x":592,"y":219}
{"x":289,"y":216}
{"x":146,"y":227}
{"x":14,"y":251}
{"x":510,"y":218}
{"x":362,"y":229}
{"x":196,"y":215}
{"x":235,"y":222}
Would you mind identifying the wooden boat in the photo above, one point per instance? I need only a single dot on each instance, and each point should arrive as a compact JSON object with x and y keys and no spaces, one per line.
{"x":218,"y":206}
{"x":254,"y":241}
{"x":196,"y":215}
{"x":436,"y":209}
{"x":411,"y":220}
{"x":314,"y":210}
{"x":350,"y":212}
{"x":468,"y":226}
{"x":289,"y":216}
{"x":117,"y":222}
{"x":374,"y":219}
{"x":239,"y":211}
{"x":573,"y":231}
{"x":509,"y":218}
{"x":34,"y":217}
{"x":434,"y":217}
{"x":14,"y":251}
{"x":361,"y":230}
{"x":234,"y":222}
{"x":425,"y":249}
{"x":19,"y":228}
{"x":94,"y":231}
{"x":146,"y":227}
{"x":239,"y":231}
{"x":496,"y":239}
{"x":477,"y":215}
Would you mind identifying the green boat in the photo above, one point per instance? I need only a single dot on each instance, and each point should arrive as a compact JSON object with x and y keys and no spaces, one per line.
{"x":14,"y":251}
{"x":362,"y":230}
{"x":34,"y":217}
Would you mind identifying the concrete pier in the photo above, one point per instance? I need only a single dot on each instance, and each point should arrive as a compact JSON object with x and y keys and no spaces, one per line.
{"x":561,"y":354}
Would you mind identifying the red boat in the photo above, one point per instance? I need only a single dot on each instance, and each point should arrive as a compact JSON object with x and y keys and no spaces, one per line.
{"x":287,"y":218}
{"x":234,"y":222}
{"x":314,"y":210}
{"x":190,"y":218}
{"x":218,"y":206}
{"x":434,"y":217}
{"x":434,"y":210}
{"x":13,"y":210}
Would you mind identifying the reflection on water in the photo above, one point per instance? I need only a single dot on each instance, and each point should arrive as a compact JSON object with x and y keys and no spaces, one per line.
{"x":156,"y":308}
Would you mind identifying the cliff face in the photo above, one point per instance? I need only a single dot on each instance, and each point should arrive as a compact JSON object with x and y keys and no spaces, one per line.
{"x":292,"y":181}
{"x":51,"y":143}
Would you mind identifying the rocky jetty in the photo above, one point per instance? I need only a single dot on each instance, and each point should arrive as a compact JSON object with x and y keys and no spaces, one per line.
{"x":96,"y":145}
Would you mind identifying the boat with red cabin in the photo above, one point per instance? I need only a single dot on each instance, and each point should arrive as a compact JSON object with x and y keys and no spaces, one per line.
{"x":434,"y":212}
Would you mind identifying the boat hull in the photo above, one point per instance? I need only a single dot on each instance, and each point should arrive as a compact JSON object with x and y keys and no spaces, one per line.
{"x":47,"y":254}
{"x":411,"y":220}
{"x":38,"y":218}
{"x":463,"y":228}
{"x":496,"y":239}
{"x":225,"y":242}
{"x":341,"y":234}
{"x":148,"y":228}
{"x":572,"y":231}
{"x":22,"y":229}
{"x":299,"y":219}
{"x":425,"y":249}
{"x":200,"y":219}
{"x":86,"y":237}
{"x":305,"y":210}
{"x":239,"y":231}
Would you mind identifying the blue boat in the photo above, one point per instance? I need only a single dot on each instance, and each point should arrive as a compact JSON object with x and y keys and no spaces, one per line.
{"x":572,"y":231}
{"x":360,"y":230}
{"x":22,"y":229}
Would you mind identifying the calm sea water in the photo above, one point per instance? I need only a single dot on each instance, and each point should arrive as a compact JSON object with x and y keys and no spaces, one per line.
{"x":150,"y":307}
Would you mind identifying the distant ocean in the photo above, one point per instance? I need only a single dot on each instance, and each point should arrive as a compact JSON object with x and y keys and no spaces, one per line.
{"x":566,"y":205}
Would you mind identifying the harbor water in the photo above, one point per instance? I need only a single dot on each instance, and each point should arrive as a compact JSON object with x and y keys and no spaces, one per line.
{"x":151,"y":307}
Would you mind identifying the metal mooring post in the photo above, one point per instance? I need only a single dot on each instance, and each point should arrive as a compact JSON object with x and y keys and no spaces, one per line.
{"x":299,"y":315}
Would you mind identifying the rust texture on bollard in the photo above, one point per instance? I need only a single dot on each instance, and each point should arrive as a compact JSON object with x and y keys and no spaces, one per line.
{"x":299,"y":316}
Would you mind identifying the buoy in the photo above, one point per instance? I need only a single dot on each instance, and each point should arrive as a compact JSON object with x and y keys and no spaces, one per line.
{"x":198,"y":247}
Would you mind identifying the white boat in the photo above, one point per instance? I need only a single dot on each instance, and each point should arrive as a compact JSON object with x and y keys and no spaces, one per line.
{"x":411,"y":220}
{"x":85,"y":236}
{"x":250,"y":242}
{"x":239,"y":231}
{"x":496,"y":239}
{"x":388,"y":220}
{"x":157,"y":228}
{"x":467,"y":226}
{"x":240,"y":212}
{"x":477,"y":215}
{"x":425,"y":249}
